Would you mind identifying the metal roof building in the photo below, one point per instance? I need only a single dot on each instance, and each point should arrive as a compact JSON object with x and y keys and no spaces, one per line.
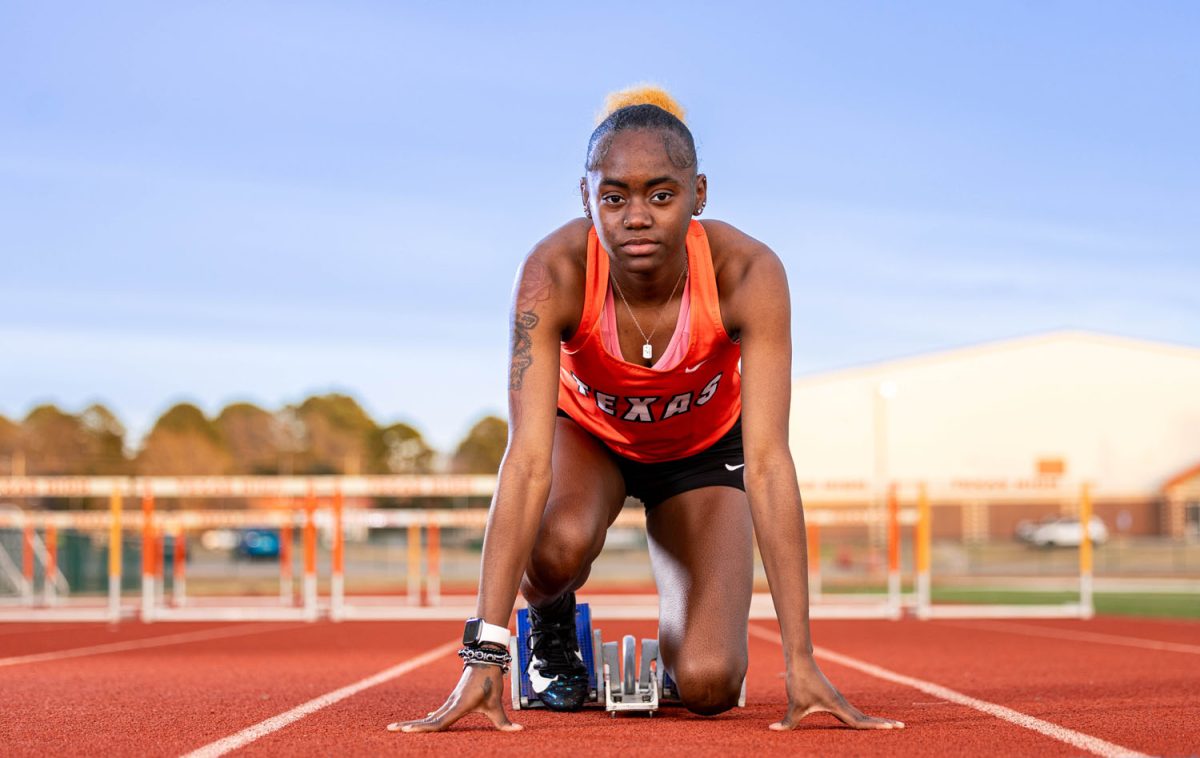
{"x":1119,"y":413}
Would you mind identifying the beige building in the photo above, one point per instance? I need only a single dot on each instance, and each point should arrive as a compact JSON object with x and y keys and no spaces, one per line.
{"x":1069,"y":407}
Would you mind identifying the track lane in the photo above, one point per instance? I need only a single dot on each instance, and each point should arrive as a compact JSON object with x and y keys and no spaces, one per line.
{"x":169,"y":700}
{"x":1142,"y":699}
{"x":31,"y":639}
{"x":355,"y":726}
{"x":1082,"y":634}
{"x":1166,"y":631}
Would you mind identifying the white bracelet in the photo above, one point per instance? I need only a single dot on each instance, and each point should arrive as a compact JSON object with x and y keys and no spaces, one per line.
{"x":497,"y":635}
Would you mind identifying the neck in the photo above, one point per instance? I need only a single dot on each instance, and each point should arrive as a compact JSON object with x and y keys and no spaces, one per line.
{"x":650,"y":286}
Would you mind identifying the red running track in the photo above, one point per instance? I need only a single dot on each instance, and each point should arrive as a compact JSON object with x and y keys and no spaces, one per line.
{"x":168,"y":689}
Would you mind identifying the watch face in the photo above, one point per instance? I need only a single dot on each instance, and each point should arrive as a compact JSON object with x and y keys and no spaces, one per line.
{"x":472,"y":630}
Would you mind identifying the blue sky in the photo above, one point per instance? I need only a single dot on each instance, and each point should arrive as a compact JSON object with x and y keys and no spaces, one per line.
{"x":248,"y":200}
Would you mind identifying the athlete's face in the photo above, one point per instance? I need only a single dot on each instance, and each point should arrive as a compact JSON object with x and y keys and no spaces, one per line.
{"x":640,"y":201}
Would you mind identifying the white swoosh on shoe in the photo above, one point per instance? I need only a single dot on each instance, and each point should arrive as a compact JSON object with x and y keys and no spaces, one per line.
{"x":734,"y":468}
{"x":539,"y":682}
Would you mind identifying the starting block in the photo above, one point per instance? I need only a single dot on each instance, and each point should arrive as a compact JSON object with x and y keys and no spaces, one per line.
{"x":617,"y":677}
{"x":628,"y":687}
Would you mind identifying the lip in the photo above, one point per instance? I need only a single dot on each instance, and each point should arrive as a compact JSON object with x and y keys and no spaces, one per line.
{"x":640,"y":246}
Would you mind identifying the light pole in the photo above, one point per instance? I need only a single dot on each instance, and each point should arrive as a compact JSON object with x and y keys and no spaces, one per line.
{"x":884,"y":392}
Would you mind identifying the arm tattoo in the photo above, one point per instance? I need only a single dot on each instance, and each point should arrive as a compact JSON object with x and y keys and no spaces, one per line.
{"x":487,"y":688}
{"x":522,"y":348}
{"x":533,"y":289}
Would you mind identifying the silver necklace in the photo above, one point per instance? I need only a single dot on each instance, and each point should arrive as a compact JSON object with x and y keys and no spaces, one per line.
{"x":647,"y":351}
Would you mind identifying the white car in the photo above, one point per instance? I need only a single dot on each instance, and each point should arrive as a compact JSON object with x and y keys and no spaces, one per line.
{"x":1066,"y":532}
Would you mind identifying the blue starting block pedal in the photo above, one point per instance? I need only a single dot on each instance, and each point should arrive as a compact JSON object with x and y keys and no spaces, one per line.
{"x":523,"y":695}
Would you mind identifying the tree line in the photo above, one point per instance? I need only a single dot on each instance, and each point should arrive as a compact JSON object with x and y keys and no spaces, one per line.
{"x":324,"y":434}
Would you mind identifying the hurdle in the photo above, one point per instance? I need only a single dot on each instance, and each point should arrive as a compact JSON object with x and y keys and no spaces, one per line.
{"x":310,"y":557}
{"x":337,"y":580}
{"x":285,"y":564}
{"x":888,"y":604}
{"x":423,"y":563}
{"x":184,"y":607}
{"x":178,"y":565}
{"x":149,"y":597}
{"x":115,"y":501}
{"x":39,"y":540}
{"x":925,"y":608}
{"x":317,"y":508}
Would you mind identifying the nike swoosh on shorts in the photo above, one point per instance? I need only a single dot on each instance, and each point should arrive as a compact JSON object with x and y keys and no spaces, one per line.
{"x":734,"y":468}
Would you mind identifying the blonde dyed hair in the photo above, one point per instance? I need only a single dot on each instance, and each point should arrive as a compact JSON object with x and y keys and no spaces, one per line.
{"x":643,"y":106}
{"x":641,"y":94}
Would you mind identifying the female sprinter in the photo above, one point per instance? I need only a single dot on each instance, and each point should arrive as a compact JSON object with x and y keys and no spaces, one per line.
{"x":628,"y":327}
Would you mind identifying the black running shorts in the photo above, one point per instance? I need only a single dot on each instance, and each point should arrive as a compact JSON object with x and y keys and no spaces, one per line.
{"x":721,"y":464}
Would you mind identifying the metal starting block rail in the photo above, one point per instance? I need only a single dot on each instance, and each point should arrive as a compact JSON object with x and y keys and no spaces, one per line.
{"x":626,"y":687}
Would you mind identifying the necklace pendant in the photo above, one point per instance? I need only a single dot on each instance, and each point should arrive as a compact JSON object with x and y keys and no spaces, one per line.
{"x":647,"y":351}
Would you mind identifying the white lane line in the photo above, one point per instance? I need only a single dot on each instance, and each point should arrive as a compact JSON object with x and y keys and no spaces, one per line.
{"x":275,"y":723}
{"x":1073,"y":634}
{"x":1076,"y":739}
{"x":235,"y":630}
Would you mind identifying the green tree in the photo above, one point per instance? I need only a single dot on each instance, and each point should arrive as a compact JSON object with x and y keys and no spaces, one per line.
{"x":104,"y":435}
{"x":255,"y":438}
{"x":338,"y":435}
{"x":10,"y":447}
{"x":400,"y":449}
{"x":54,"y":442}
{"x":481,"y":451}
{"x":183,"y":442}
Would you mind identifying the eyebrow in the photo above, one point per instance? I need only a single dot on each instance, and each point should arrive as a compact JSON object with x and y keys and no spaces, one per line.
{"x":657,"y":180}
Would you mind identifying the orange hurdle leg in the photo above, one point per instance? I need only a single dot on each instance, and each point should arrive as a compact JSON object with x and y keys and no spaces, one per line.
{"x":50,"y":586}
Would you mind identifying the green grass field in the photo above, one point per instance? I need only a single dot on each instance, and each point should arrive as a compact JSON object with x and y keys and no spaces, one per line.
{"x":1147,"y":604}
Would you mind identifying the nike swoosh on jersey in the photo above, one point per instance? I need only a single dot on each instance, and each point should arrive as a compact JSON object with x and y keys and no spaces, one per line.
{"x":693,"y":368}
{"x":734,"y":468}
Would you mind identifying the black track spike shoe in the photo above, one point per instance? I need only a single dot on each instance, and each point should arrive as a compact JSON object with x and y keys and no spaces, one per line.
{"x":556,"y":668}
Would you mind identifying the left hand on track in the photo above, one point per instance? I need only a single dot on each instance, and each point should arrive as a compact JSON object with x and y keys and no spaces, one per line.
{"x":810,"y":692}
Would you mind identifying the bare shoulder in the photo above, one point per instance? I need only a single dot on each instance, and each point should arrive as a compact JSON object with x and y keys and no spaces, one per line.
{"x":554,"y":271}
{"x":738,"y":257}
{"x":564,"y":250}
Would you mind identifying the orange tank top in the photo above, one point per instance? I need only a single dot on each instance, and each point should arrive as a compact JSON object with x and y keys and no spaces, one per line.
{"x":640,"y":412}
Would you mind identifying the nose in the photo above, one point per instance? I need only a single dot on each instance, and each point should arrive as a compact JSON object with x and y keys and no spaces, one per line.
{"x":637,"y":215}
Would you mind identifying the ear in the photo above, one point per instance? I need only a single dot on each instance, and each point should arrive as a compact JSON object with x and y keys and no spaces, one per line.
{"x":701,"y":194}
{"x":583,"y":194}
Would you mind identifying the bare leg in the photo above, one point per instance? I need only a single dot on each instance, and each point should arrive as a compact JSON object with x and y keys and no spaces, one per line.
{"x":701,"y":546}
{"x":586,"y":494}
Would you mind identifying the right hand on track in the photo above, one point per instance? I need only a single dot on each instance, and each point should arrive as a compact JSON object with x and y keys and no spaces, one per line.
{"x":478,"y":691}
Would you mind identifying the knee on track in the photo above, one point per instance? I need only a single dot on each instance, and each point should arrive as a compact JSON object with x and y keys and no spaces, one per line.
{"x":709,"y":686}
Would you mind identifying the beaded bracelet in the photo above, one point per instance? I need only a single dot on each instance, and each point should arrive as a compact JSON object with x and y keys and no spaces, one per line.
{"x":479,"y":655}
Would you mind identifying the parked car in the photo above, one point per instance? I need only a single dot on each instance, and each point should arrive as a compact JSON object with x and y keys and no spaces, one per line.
{"x":258,"y":543}
{"x":1066,"y":532}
